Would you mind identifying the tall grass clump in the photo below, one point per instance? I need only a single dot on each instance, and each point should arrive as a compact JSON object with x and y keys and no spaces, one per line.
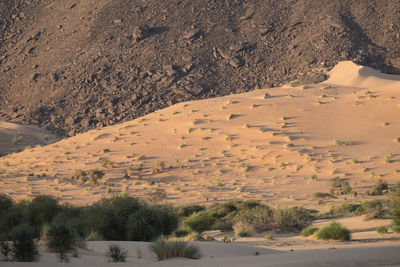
{"x":165,"y":249}
{"x":334,"y":231}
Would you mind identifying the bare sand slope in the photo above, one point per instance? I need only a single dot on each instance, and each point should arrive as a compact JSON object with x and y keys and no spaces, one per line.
{"x":280,"y":145}
{"x":15,"y":137}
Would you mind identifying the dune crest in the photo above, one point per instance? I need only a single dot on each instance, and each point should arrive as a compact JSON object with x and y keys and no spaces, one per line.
{"x":348,"y":73}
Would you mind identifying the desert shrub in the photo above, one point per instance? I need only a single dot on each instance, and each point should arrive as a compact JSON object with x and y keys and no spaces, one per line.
{"x":43,"y":209}
{"x":226,"y":239}
{"x":150,"y":222}
{"x":12,"y":217}
{"x":157,"y":195}
{"x":181,"y":232}
{"x":295,"y":218}
{"x":91,"y":176}
{"x":6,"y":203}
{"x":379,"y":188}
{"x":372,"y":209}
{"x":165,"y":249}
{"x":61,"y":239}
{"x":24,"y":246}
{"x":243,"y":229}
{"x":115,"y":253}
{"x":342,"y":185}
{"x":200,"y":221}
{"x":395,"y":207}
{"x":309,"y":230}
{"x":94,"y":236}
{"x":260,"y":217}
{"x":187,"y":210}
{"x":6,"y":250}
{"x":395,"y":228}
{"x":109,"y":217}
{"x":333,"y":231}
{"x":323,"y":195}
{"x":382,"y":229}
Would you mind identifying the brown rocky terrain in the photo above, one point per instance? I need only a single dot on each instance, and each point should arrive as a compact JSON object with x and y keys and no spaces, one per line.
{"x":76,"y":65}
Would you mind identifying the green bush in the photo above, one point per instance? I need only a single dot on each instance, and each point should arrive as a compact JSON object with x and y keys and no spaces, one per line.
{"x":260,"y":217}
{"x":395,"y":228}
{"x":395,"y":207}
{"x":150,"y":222}
{"x":382,"y":229}
{"x":379,"y":187}
{"x":169,"y":249}
{"x":333,"y":231}
{"x":115,"y":253}
{"x":61,"y":239}
{"x":43,"y":209}
{"x":5,"y":203}
{"x":24,"y":246}
{"x":12,"y":217}
{"x":295,"y":218}
{"x":372,"y":209}
{"x":186,"y":211}
{"x":308,"y":231}
{"x":200,"y":221}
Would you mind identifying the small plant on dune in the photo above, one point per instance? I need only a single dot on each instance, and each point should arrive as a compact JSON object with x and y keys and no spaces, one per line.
{"x":343,"y":143}
{"x":382,"y":229}
{"x":308,"y":231}
{"x":334,"y":231}
{"x":106,"y":163}
{"x":389,"y":158}
{"x":165,"y":249}
{"x":323,"y":195}
{"x":115,"y":253}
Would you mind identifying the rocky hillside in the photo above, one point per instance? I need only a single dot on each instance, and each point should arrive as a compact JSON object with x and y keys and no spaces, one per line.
{"x":75,"y":65}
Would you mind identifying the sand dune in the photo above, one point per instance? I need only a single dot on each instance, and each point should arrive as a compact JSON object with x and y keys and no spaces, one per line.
{"x":279,"y":145}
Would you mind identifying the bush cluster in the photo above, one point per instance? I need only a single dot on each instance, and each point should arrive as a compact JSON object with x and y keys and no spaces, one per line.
{"x":116,"y":218}
{"x":244,"y":217}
